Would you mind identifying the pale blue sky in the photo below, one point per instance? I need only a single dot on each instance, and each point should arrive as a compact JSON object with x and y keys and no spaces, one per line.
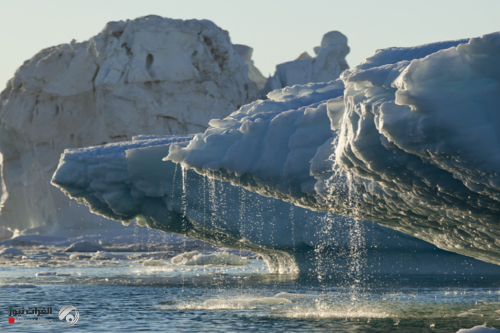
{"x":277,"y":30}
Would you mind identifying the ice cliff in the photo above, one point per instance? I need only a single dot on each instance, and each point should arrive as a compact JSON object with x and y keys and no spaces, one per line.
{"x":150,"y":75}
{"x":411,"y":143}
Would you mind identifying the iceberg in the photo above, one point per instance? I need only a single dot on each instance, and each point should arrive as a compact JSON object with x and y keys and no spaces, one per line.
{"x":254,"y":73}
{"x":327,"y":65}
{"x":150,"y":75}
{"x":413,"y":144}
{"x":131,"y":181}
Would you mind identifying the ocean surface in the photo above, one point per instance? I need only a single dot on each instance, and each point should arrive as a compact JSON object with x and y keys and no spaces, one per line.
{"x":119,"y":294}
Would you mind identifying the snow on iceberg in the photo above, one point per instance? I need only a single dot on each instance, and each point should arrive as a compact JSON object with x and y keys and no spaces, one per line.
{"x":151,"y":75}
{"x":414,"y":144}
{"x":130,"y":180}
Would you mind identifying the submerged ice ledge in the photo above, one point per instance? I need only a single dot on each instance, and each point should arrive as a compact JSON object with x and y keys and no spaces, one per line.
{"x":411,"y":143}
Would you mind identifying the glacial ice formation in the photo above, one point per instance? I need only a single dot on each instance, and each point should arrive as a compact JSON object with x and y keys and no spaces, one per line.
{"x":253,"y":72}
{"x":414,"y":147}
{"x":326,"y":66}
{"x":150,"y":75}
{"x":130,"y":180}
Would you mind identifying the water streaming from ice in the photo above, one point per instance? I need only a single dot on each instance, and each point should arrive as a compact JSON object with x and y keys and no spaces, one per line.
{"x":213,"y":204}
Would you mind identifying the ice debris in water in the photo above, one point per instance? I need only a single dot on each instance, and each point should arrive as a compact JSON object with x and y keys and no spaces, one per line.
{"x":103,"y":255}
{"x":152,"y":262}
{"x":17,"y":285}
{"x":248,"y":301}
{"x":11,"y":251}
{"x":182,"y":258}
{"x":84,"y":246}
{"x":291,"y":295}
{"x":217,"y":259}
{"x":469,"y":314}
{"x":43,"y":274}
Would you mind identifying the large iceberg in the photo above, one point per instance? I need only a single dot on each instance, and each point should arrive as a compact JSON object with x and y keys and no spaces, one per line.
{"x":130,"y":181}
{"x":150,"y":75}
{"x":414,"y":144}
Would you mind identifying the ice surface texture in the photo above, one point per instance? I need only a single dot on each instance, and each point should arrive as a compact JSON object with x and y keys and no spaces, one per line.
{"x":150,"y":75}
{"x":411,"y":143}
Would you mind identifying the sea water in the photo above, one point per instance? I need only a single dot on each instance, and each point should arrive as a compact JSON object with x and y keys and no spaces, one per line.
{"x":120,"y":294}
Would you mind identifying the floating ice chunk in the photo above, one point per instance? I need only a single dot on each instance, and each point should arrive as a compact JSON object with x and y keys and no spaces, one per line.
{"x":152,"y":262}
{"x":248,"y":301}
{"x":103,"y":255}
{"x":78,"y":256}
{"x":41,"y":274}
{"x":469,"y":314}
{"x":38,"y":257}
{"x":292,"y":295}
{"x":182,"y":258}
{"x":17,"y":285}
{"x":217,"y":259}
{"x":11,"y":251}
{"x":478,"y":329}
{"x":84,"y":246}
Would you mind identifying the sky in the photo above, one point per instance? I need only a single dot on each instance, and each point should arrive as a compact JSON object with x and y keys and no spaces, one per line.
{"x":277,"y":30}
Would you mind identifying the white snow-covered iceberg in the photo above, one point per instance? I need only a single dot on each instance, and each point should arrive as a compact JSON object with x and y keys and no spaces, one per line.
{"x":151,"y":75}
{"x":414,"y":145}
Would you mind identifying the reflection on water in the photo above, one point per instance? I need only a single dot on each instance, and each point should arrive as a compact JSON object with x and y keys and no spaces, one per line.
{"x":121,"y":293}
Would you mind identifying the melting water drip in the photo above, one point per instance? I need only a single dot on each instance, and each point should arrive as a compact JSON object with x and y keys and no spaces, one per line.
{"x":292,"y":225}
{"x":356,"y":256}
{"x":213,"y":204}
{"x":357,"y":245}
{"x":184,"y":191}
{"x":242,"y":208}
{"x":184,"y":198}
{"x":324,"y":259}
